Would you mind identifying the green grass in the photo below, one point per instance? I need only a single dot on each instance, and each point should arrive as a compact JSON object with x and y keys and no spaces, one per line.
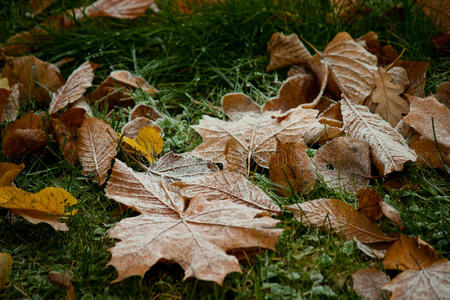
{"x":218,"y":49}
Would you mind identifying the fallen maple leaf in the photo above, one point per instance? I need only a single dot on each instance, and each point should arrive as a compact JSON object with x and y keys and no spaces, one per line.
{"x":35,"y":76}
{"x":6,"y":262}
{"x":389,"y":150}
{"x":255,"y":135}
{"x":438,"y":11}
{"x":176,"y":167}
{"x":196,"y":236}
{"x":9,"y":172}
{"x":75,"y":87}
{"x":227,"y":186}
{"x":344,"y":162}
{"x":368,"y":283}
{"x":148,"y":143}
{"x":96,"y":148}
{"x":131,"y":129}
{"x":24,"y":135}
{"x":431,"y":283}
{"x":333,"y":214}
{"x":409,"y":253}
{"x":291,"y":168}
{"x":389,"y":105}
{"x":285,"y":50}
{"x":47,"y":205}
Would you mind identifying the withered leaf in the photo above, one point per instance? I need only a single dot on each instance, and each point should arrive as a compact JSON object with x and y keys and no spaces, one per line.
{"x":197,"y":236}
{"x":300,"y":90}
{"x":9,"y":172}
{"x":344,"y":162}
{"x":290,"y":167}
{"x":12,"y":104}
{"x":443,"y":93}
{"x":227,"y":186}
{"x":368,"y":283}
{"x":131,"y":129}
{"x":121,"y":9}
{"x":285,"y":50}
{"x":388,"y":148}
{"x":36,"y":77}
{"x":417,"y":72}
{"x":333,"y":214}
{"x":438,"y":11}
{"x":409,"y":253}
{"x":368,"y":203}
{"x":351,"y":68}
{"x":373,"y":250}
{"x":75,"y":87}
{"x":389,"y":105}
{"x":256,"y":134}
{"x":65,"y":139}
{"x":431,"y":283}
{"x":96,"y":148}
{"x":428,"y":153}
{"x":235,"y":105}
{"x":24,"y":135}
{"x":175,"y":167}
{"x":144,"y":110}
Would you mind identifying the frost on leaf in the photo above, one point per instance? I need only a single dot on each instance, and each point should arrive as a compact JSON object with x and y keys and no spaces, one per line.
{"x":285,"y":50}
{"x":197,"y":235}
{"x":255,"y":135}
{"x":388,"y":148}
{"x":368,"y":283}
{"x":74,"y":88}
{"x":96,"y":148}
{"x":333,"y":214}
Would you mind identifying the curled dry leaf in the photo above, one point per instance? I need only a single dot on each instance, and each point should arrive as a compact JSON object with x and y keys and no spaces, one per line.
{"x":144,"y":110}
{"x":148,"y":143}
{"x":344,"y":162}
{"x":121,"y":9}
{"x":96,"y":148}
{"x":438,"y":11}
{"x":175,"y":167}
{"x":368,"y":203}
{"x":6,"y":262}
{"x":300,"y":90}
{"x":285,"y":50}
{"x":228,"y":186}
{"x":389,"y":150}
{"x":409,"y":253}
{"x":75,"y":87}
{"x":333,"y":214}
{"x":368,"y":283}
{"x":386,"y":96}
{"x":332,"y":115}
{"x":351,"y":68}
{"x":373,"y":250}
{"x":35,"y":76}
{"x":197,"y":236}
{"x":443,"y":93}
{"x":131,"y":129}
{"x":24,"y":135}
{"x":12,"y":104}
{"x":291,"y":168}
{"x":9,"y":172}
{"x":236,"y":105}
{"x":47,"y":205}
{"x":255,"y":134}
{"x":417,"y":73}
{"x":431,"y":283}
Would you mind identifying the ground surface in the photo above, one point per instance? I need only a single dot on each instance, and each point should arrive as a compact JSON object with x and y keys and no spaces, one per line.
{"x":218,"y":49}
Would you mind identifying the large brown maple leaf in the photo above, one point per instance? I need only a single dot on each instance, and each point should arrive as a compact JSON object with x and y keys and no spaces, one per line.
{"x":197,"y":235}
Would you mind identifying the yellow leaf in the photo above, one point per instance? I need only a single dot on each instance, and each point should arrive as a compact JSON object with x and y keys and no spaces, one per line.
{"x":6,"y":262}
{"x":9,"y":172}
{"x":148,"y":143}
{"x":51,"y":200}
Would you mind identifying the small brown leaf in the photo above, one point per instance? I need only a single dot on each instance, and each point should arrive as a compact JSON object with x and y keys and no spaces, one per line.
{"x":368,"y":283}
{"x":392,"y":214}
{"x":144,"y":110}
{"x":121,"y":9}
{"x":9,"y":172}
{"x":66,"y":141}
{"x":333,"y":214}
{"x":388,"y":148}
{"x":290,"y":167}
{"x":235,"y":105}
{"x":409,"y":253}
{"x":96,"y":148}
{"x":60,"y":279}
{"x":285,"y":50}
{"x":417,"y":73}
{"x":368,"y":203}
{"x":75,"y":87}
{"x":374,"y":250}
{"x":300,"y":90}
{"x":24,"y":135}
{"x":431,"y":283}
{"x":344,"y":162}
{"x":225,"y":185}
{"x":35,"y":76}
{"x":332,"y":115}
{"x":131,"y":129}
{"x":12,"y":104}
{"x":443,"y":93}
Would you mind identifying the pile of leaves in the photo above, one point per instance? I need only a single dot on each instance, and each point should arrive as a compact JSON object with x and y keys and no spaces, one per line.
{"x":347,"y":114}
